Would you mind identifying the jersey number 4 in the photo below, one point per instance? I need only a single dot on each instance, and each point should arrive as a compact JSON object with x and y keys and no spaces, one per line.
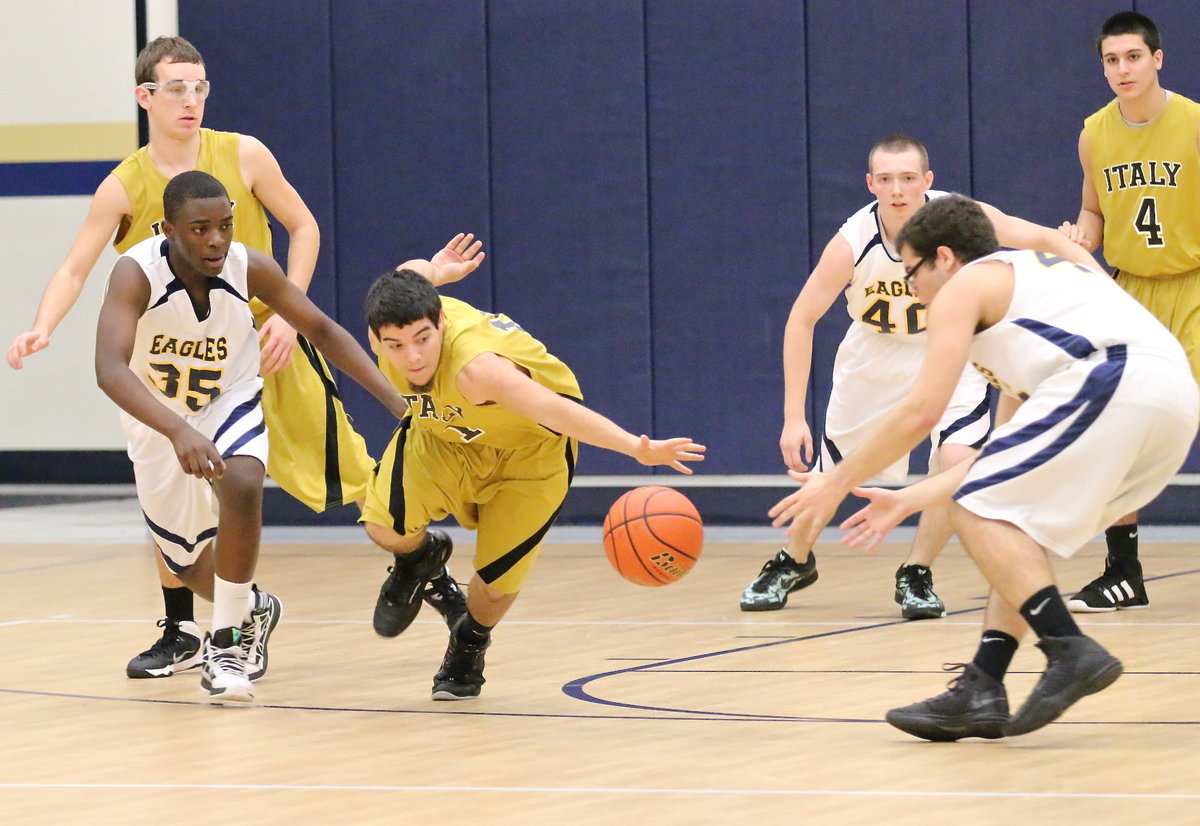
{"x":879,"y":316}
{"x":201,"y":384}
{"x":1146,"y":223}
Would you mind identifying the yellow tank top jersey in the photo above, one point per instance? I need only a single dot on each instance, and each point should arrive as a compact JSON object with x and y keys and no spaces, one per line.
{"x":144,"y":184}
{"x":444,"y":412}
{"x":1148,"y":181}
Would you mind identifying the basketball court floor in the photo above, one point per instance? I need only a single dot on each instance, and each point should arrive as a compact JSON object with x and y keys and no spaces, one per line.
{"x":605,"y":702}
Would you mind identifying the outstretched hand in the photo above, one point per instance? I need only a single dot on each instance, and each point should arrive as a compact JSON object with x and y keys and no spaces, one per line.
{"x":24,"y":345}
{"x":885,"y":510}
{"x":458,"y":259}
{"x":808,"y":509}
{"x":670,"y":452}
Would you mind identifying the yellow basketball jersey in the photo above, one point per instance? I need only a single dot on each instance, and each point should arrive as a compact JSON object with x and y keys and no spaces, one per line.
{"x":446,"y":414}
{"x":144,"y":184}
{"x":1148,"y":181}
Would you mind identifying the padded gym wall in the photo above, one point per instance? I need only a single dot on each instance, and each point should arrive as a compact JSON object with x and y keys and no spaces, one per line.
{"x":653,"y":179}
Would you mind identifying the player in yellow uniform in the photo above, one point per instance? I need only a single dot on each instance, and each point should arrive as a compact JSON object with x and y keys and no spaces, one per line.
{"x":1141,"y":185}
{"x":491,"y":439}
{"x":300,"y":400}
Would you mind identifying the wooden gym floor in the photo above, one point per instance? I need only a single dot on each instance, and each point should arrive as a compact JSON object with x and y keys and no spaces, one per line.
{"x":605,"y":702}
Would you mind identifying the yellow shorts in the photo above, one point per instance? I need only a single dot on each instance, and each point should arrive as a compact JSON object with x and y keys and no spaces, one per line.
{"x":316,"y":454}
{"x":1175,"y":301}
{"x":511,"y":497}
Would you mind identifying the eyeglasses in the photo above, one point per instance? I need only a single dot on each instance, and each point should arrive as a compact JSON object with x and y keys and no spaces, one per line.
{"x":179,"y":89}
{"x":909,"y":273}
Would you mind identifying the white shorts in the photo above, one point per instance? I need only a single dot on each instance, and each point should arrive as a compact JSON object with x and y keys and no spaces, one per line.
{"x":1091,"y":444}
{"x":181,"y":510}
{"x":871,"y":375}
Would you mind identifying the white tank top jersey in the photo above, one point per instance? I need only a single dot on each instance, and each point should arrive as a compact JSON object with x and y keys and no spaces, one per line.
{"x":1062,"y":313}
{"x":877,"y":298}
{"x":187,"y":361}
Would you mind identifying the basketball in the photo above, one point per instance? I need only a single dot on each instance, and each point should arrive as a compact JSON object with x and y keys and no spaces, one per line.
{"x":653,"y":535}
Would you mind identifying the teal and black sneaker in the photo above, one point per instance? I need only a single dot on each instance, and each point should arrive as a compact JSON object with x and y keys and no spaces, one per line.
{"x":914,"y":593}
{"x":780,"y":576}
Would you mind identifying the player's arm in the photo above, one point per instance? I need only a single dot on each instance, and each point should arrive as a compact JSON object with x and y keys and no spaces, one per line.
{"x":453,"y":262}
{"x":124,"y":302}
{"x":263,"y":175}
{"x":1017,"y":233}
{"x":831,"y":275}
{"x":109,"y":205}
{"x":492,"y":378}
{"x":268,"y":283}
{"x":886,"y":509}
{"x":1088,"y":229}
{"x":951,"y":323}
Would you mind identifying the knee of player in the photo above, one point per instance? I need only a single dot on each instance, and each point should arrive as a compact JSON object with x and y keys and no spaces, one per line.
{"x":390,"y":540}
{"x":241,"y":484}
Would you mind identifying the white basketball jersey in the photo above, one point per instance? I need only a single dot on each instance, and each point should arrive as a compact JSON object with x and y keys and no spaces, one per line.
{"x":187,"y":361}
{"x":877,"y":298}
{"x":1048,"y":327}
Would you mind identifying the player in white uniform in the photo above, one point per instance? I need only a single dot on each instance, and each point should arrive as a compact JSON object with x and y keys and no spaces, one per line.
{"x":877,"y":360}
{"x":177,"y":350}
{"x":205,"y":371}
{"x":1098,"y":410}
{"x":876,"y":364}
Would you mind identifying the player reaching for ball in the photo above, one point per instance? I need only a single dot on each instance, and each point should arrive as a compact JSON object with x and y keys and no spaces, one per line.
{"x":491,"y":439}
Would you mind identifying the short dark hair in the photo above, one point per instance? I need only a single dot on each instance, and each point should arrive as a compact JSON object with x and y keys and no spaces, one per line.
{"x":188,"y":186}
{"x":400,"y":298}
{"x":170,"y":49}
{"x":954,"y":221}
{"x":1130,"y":22}
{"x":898,"y":143}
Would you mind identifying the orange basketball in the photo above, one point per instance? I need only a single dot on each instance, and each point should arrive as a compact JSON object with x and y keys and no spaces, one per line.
{"x":653,"y":535}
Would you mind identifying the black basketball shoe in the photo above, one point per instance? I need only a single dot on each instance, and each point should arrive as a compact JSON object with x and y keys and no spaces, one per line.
{"x":443,"y":595}
{"x":975,"y":706}
{"x":461,"y":674}
{"x":400,"y":597}
{"x":1075,"y":668}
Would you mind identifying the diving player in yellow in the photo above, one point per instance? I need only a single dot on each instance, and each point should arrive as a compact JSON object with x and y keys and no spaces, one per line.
{"x":316,"y":456}
{"x":1141,"y":184}
{"x":491,"y":439}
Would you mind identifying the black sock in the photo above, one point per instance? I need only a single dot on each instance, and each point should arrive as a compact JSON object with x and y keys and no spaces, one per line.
{"x":469,"y":630}
{"x":178,"y":602}
{"x":1048,"y":616}
{"x":1122,"y":545}
{"x":996,"y":650}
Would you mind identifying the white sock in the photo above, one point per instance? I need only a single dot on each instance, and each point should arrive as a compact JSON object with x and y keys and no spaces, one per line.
{"x":232,"y":602}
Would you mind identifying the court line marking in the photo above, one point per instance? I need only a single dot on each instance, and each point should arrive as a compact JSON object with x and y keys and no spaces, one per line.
{"x":576,"y":689}
{"x":444,"y":712}
{"x":330,"y":787}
